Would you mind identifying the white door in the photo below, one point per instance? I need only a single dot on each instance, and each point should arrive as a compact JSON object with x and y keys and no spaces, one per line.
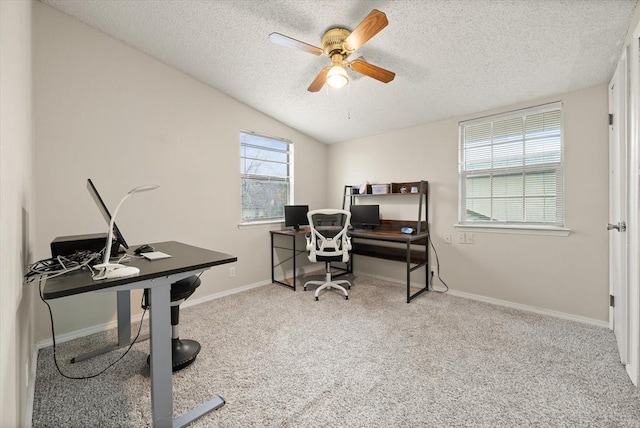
{"x":618,"y":250}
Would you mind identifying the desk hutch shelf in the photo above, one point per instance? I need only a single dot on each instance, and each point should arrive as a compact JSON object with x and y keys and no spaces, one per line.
{"x":411,"y":189}
{"x":413,"y":249}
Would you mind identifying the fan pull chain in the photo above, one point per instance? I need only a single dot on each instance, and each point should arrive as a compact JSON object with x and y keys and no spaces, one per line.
{"x":348,"y":102}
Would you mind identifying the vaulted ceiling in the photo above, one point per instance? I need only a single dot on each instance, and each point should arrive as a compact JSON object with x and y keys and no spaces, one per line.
{"x":451,"y":57}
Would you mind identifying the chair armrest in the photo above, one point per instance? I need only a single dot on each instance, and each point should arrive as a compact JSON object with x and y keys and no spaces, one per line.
{"x":310,"y":243}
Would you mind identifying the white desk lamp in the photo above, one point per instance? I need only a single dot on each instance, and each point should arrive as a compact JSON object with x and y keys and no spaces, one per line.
{"x":115,"y":270}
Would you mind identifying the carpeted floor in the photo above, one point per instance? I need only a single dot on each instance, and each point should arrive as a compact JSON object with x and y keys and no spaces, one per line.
{"x":279,"y":358}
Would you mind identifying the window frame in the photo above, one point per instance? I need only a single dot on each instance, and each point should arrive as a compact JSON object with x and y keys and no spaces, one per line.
{"x":557,"y":167}
{"x":287,"y":180}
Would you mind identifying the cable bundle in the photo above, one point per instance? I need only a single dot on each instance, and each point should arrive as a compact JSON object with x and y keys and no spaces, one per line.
{"x":60,"y":265}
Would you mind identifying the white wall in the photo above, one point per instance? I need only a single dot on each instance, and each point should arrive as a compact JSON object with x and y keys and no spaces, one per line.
{"x":111,"y":113}
{"x":17,"y":343}
{"x":564,"y":274}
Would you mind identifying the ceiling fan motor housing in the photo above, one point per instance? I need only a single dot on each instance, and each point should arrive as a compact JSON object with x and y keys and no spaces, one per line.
{"x":333,"y":42}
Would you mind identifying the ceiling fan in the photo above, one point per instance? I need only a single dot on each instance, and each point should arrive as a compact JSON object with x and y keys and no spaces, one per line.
{"x":338,"y":44}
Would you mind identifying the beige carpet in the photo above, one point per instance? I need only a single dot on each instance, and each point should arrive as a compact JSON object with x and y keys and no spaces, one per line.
{"x":281,"y":359}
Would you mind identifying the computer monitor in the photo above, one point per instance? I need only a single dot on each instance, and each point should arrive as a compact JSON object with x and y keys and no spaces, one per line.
{"x":296,"y":216}
{"x":107,"y":216}
{"x":365,"y":216}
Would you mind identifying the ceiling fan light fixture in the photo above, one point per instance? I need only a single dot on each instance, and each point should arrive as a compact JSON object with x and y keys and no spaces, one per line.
{"x":337,"y":77}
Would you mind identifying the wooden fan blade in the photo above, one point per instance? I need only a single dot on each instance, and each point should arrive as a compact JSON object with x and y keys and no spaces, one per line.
{"x":287,"y":41}
{"x":369,"y":27}
{"x":368,"y":69}
{"x":318,"y":82}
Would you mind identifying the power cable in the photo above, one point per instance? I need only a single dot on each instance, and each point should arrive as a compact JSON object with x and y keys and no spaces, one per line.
{"x":437,"y":266}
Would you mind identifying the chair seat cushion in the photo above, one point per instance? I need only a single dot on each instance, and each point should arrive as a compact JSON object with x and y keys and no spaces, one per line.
{"x":336,"y":258}
{"x":184,"y":288}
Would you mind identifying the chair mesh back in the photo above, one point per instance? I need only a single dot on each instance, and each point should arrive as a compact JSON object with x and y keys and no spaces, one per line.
{"x":329,"y":234}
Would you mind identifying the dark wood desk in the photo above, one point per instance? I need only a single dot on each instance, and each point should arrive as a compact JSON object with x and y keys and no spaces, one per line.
{"x":389,"y":231}
{"x":157,"y":276}
{"x":363,"y":242}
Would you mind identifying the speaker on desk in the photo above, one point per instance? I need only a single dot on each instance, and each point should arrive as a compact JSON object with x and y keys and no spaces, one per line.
{"x":183,"y":351}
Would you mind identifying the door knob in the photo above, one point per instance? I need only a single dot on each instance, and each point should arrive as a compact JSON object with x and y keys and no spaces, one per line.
{"x":620,"y":227}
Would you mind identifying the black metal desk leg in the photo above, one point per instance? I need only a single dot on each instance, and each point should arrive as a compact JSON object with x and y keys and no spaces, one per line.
{"x":273,"y":277}
{"x":428,"y":268}
{"x":294,"y":253}
{"x":408,"y":272}
{"x":294,"y":262}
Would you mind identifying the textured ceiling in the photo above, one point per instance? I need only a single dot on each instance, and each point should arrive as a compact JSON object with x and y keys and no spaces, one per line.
{"x":451,"y":57}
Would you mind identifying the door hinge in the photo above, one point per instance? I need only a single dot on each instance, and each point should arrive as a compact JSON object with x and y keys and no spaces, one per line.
{"x":612,"y":301}
{"x":610,"y":118}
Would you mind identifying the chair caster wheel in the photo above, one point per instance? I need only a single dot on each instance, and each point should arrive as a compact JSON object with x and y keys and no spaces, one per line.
{"x":305,"y":288}
{"x":317,"y":299}
{"x":346,"y":297}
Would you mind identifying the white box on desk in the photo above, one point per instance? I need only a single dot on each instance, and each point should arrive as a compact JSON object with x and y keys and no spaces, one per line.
{"x":379,"y":189}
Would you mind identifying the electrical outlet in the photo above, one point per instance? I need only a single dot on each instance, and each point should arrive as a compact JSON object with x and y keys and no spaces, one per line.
{"x":461,"y":238}
{"x":232,"y":272}
{"x":469,"y":238}
{"x":447,"y":238}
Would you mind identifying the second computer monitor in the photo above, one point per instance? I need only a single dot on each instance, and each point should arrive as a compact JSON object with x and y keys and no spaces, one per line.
{"x":365,"y":216}
{"x":296,"y":216}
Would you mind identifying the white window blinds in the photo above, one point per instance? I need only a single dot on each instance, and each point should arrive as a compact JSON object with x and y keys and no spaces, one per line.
{"x":266,"y":168}
{"x":511,"y":168}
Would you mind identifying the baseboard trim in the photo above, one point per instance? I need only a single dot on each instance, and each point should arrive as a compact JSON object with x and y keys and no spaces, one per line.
{"x":204,"y":299}
{"x":192,"y":302}
{"x":508,"y":304}
{"x":528,"y":308}
{"x":306,"y":270}
{"x":136,"y":318}
{"x":632,"y":371}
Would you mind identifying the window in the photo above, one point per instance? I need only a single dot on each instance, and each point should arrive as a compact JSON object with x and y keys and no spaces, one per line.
{"x":266,"y":168}
{"x":511,"y":169}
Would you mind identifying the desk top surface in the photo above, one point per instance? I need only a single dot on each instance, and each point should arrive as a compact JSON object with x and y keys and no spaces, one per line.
{"x":380,"y":234}
{"x":387,"y":235}
{"x":290,"y":232}
{"x":184,"y":258}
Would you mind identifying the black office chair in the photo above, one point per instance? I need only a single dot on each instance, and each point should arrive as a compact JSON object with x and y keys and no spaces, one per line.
{"x":183,"y":351}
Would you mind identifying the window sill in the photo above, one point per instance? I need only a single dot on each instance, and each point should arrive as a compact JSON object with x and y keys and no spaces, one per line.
{"x":259,"y":224}
{"x":514,"y":229}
